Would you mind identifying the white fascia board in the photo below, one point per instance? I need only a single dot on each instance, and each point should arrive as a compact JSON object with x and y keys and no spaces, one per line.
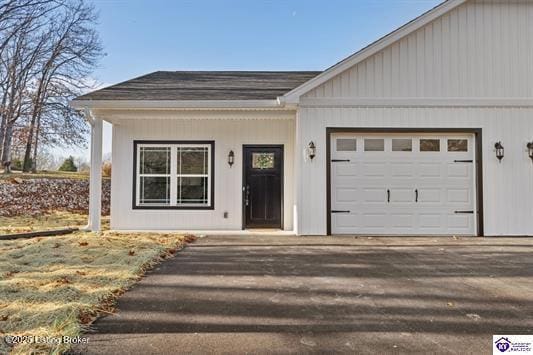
{"x":175,"y":104}
{"x":293,"y":96}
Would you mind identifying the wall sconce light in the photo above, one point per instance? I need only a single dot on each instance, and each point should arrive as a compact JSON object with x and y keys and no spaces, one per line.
{"x":499,"y":151}
{"x":530,"y":150}
{"x":311,"y":150}
{"x":231,"y":158}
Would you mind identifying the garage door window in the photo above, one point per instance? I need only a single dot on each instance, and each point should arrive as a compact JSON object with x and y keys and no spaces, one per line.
{"x":402,"y":145}
{"x":374,"y":145}
{"x":346,"y":145}
{"x":430,"y":145}
{"x":457,"y":145}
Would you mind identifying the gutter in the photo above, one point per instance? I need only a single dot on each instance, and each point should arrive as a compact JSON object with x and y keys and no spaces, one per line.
{"x":175,"y":104}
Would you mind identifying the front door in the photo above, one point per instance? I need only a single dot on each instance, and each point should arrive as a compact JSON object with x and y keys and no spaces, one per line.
{"x":263,"y":186}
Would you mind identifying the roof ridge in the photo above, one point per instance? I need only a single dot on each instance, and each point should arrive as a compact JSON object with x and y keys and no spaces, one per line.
{"x":235,"y":71}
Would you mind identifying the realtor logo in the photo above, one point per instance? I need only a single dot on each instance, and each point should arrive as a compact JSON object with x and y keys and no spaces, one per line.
{"x":502,"y":344}
{"x":512,"y":344}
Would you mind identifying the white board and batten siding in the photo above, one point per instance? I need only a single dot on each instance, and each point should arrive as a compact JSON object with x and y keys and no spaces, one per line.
{"x":229,"y":132}
{"x":470,"y":68}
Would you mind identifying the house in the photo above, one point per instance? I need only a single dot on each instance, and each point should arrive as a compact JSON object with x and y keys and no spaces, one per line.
{"x":426,"y":131}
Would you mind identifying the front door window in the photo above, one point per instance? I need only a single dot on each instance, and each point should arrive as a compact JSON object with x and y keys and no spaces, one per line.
{"x":262,"y":160}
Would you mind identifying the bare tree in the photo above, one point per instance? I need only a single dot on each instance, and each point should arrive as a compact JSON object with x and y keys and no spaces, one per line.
{"x":48,"y":48}
{"x":17,"y":17}
{"x":72,"y":54}
{"x":18,"y":63}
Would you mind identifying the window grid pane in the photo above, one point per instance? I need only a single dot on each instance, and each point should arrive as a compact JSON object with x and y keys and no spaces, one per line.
{"x":430,"y":145}
{"x":193,"y":190}
{"x":155,"y":160}
{"x":346,"y":144}
{"x":155,"y":190}
{"x":457,"y":145}
{"x":374,"y":145}
{"x":402,"y":145}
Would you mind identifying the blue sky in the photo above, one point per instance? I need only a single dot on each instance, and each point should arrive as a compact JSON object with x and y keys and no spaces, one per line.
{"x":141,"y":36}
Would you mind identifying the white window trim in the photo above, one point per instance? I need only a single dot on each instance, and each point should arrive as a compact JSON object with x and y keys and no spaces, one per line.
{"x":174,"y":175}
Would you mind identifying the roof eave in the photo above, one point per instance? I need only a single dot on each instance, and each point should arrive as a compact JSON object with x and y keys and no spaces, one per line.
{"x":293,"y":96}
{"x":175,"y":104}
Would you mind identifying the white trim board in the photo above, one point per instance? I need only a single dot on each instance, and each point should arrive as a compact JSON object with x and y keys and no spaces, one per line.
{"x":417,"y":102}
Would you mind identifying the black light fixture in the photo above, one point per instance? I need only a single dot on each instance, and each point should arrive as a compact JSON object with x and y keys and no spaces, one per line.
{"x":231,"y":158}
{"x":499,"y":151}
{"x":311,"y":150}
{"x":530,"y":150}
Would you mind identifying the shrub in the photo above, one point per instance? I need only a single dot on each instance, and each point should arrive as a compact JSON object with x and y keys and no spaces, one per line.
{"x":68,"y":165}
{"x":16,"y":164}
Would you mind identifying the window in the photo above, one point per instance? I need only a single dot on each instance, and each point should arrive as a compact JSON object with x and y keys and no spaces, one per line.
{"x":374,"y":145}
{"x":402,"y":145}
{"x":154,"y":175}
{"x":430,"y":145}
{"x":173,"y":175}
{"x":457,"y":145}
{"x":346,"y":145}
{"x":192,"y":175}
{"x":262,"y":160}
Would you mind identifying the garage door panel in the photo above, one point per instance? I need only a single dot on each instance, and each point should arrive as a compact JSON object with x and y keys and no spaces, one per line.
{"x":429,"y":195}
{"x":346,"y":183}
{"x":429,"y":170}
{"x":347,"y":221}
{"x":374,"y":169}
{"x":458,"y":170}
{"x":374,"y":195}
{"x":402,"y":169}
{"x":374,"y":220}
{"x":401,"y":195}
{"x":402,"y":220}
{"x":460,"y":222}
{"x":345,"y":169}
{"x":459,"y":196}
{"x":442,"y":174}
{"x":346,"y":195}
{"x":429,"y":221}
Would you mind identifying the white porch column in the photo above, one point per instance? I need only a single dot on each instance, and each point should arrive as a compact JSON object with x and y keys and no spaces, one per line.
{"x":95,"y":178}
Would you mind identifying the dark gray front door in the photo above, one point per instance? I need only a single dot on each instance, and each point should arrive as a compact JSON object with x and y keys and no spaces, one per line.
{"x":263,"y":186}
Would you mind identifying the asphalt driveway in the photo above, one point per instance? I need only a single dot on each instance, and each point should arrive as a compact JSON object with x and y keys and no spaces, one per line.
{"x":279,"y":294}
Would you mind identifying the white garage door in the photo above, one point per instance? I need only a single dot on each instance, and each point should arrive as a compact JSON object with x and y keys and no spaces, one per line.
{"x":403,"y":184}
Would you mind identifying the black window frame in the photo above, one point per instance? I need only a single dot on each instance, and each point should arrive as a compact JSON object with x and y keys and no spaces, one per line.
{"x":136,"y":144}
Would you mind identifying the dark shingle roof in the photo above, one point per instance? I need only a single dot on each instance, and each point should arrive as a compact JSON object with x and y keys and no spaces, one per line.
{"x":204,"y":85}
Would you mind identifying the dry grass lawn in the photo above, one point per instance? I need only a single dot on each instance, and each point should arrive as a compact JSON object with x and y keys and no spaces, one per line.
{"x":50,"y":221}
{"x":55,"y":286}
{"x":45,"y":175}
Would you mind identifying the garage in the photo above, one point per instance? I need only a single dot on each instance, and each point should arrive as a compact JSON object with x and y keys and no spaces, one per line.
{"x":403,"y":183}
